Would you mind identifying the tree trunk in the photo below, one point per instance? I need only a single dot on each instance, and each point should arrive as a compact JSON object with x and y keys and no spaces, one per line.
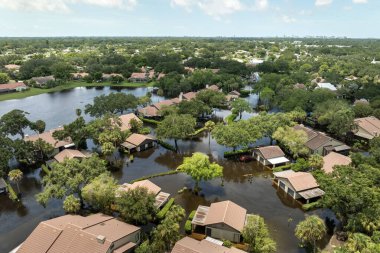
{"x":176,"y":145}
{"x":209,"y":139}
{"x":241,"y":114}
{"x":18,"y":187}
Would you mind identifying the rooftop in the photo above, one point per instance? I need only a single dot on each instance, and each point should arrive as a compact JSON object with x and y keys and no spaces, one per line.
{"x":190,"y":245}
{"x":333,"y":159}
{"x":69,"y":154}
{"x":270,"y":152}
{"x":300,"y":181}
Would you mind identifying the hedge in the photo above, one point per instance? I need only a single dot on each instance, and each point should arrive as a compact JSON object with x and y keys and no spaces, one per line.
{"x":192,"y":214}
{"x":162,"y":213}
{"x":151,"y":121}
{"x":45,"y":169}
{"x":237,"y":152}
{"x":166,"y":145}
{"x":244,"y":93}
{"x":312,"y":206}
{"x":188,"y":227}
{"x":11,"y":193}
{"x":231,"y":118}
{"x":282,"y":168}
{"x":170,"y":172}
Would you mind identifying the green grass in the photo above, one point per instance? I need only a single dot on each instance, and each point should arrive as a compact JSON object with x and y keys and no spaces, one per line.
{"x":67,"y":86}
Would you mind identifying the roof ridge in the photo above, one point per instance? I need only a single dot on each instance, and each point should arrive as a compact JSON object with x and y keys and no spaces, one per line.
{"x":225,"y":211}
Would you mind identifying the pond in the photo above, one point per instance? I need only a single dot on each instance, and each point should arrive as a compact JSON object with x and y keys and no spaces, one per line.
{"x":247,"y":184}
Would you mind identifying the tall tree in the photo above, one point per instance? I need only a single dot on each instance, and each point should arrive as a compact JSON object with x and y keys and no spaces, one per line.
{"x":16,"y":176}
{"x":69,"y":177}
{"x":256,"y":235}
{"x":71,"y":204}
{"x":311,"y":230}
{"x":241,"y":105}
{"x":113,"y":103}
{"x":14,"y":122}
{"x":199,"y":167}
{"x":293,"y":140}
{"x":5,"y":154}
{"x":176,"y":127}
{"x":209,"y":125}
{"x":75,"y":130}
{"x":136,"y":205}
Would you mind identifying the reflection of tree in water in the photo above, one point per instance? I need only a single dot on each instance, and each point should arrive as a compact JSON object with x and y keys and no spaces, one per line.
{"x":190,"y":201}
{"x":242,"y":172}
{"x":169,"y":159}
{"x":285,"y":199}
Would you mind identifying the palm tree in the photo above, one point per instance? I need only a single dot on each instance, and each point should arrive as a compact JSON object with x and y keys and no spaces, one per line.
{"x":311,"y":230}
{"x":15,"y":176}
{"x":209,"y":125}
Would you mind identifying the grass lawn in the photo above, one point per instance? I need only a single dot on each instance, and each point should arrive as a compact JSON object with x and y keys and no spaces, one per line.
{"x":67,"y":86}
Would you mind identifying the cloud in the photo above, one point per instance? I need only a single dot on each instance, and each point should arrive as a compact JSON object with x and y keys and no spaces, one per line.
{"x":288,"y":19}
{"x":359,"y":1}
{"x":323,"y":2}
{"x":219,"y":8}
{"x":63,"y":5}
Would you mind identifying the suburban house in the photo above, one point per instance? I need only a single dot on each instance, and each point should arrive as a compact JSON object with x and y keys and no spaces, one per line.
{"x":328,"y":86}
{"x":232,"y":95}
{"x":160,"y":76}
{"x":12,"y":67}
{"x":212,"y":87}
{"x":300,"y":86}
{"x":333,"y":159}
{"x":12,"y":87}
{"x":42,"y":80}
{"x":3,"y":186}
{"x":187,"y":96}
{"x":78,"y":76}
{"x":125,"y":121}
{"x":298,"y":185}
{"x":153,"y":111}
{"x":138,"y":77}
{"x":109,"y":76}
{"x":48,"y":137}
{"x":77,"y":234}
{"x":69,"y":154}
{"x":322,"y":144}
{"x":222,"y":220}
{"x":161,"y":197}
{"x":270,"y":156}
{"x":138,"y":142}
{"x":190,"y":245}
{"x":367,"y":128}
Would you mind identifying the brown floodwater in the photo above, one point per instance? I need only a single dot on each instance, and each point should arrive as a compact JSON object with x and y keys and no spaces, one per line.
{"x":247,"y":184}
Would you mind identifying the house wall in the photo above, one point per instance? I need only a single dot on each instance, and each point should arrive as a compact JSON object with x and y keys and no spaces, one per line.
{"x":287,"y":187}
{"x":223,"y":232}
{"x":134,"y":237}
{"x":259,"y":158}
{"x":319,"y":151}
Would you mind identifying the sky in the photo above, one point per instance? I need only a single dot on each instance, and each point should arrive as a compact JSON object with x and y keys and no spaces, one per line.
{"x":205,"y":18}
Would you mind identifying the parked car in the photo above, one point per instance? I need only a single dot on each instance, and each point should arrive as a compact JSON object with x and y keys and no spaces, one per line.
{"x":245,"y":158}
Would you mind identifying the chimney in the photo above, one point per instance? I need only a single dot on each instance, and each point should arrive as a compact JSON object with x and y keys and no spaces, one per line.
{"x":180,"y":97}
{"x":101,"y":239}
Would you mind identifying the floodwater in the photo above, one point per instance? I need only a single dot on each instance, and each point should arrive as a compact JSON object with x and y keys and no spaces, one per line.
{"x":247,"y":184}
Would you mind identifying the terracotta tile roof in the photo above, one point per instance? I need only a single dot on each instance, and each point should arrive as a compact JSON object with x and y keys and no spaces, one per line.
{"x":370,"y":125}
{"x":315,"y":139}
{"x":190,"y":95}
{"x":162,"y":103}
{"x":213,"y":87}
{"x":310,"y":132}
{"x":76,"y":234}
{"x":12,"y":66}
{"x":125,"y":248}
{"x":151,"y":74}
{"x":137,"y":75}
{"x":80,"y":75}
{"x":300,"y":181}
{"x":333,"y":159}
{"x":161,"y":75}
{"x":138,"y":139}
{"x":226,"y":212}
{"x":190,"y":245}
{"x":270,"y":152}
{"x":43,"y":79}
{"x":149,"y":111}
{"x":69,"y":154}
{"x":152,"y":188}
{"x":125,"y":121}
{"x":48,"y":137}
{"x":108,"y":76}
{"x":12,"y":86}
{"x":234,"y":92}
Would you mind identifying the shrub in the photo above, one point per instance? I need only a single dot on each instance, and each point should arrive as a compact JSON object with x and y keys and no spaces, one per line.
{"x":227,"y":243}
{"x":188,"y":227}
{"x":162,"y":213}
{"x":11,"y":193}
{"x":151,"y":121}
{"x":192,"y":214}
{"x":231,"y":118}
{"x":311,"y":206}
{"x":166,"y":145}
{"x":244,"y":93}
{"x":237,"y":152}
{"x":282,"y":168}
{"x":45,"y":169}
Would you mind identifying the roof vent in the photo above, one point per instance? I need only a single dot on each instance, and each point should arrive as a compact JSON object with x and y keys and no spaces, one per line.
{"x":101,"y":239}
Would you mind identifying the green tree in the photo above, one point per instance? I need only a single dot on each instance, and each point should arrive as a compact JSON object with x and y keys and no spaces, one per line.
{"x":76,"y":130}
{"x":71,"y":204}
{"x":209,"y":125}
{"x":214,"y":99}
{"x":110,"y":139}
{"x":16,"y":176}
{"x":315,"y":161}
{"x":136,"y":205}
{"x":199,"y":167}
{"x":113,"y":103}
{"x":4,"y":78}
{"x":311,"y":230}
{"x":100,"y":192}
{"x":234,"y":135}
{"x":136,"y":125}
{"x":362,"y":110}
{"x":267,"y":95}
{"x":293,"y":140}
{"x":14,"y":122}
{"x":176,"y":127}
{"x":38,"y":126}
{"x":69,"y":177}
{"x":241,"y":105}
{"x":5,"y":154}
{"x":256,"y":235}
{"x":62,"y":70}
{"x":43,"y":149}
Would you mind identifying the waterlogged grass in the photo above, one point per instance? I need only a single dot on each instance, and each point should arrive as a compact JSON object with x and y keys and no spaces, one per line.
{"x":67,"y":86}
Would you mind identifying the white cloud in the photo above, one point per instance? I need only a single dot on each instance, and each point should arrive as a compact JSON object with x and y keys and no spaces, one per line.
{"x":219,"y":8}
{"x":359,"y":1}
{"x":63,"y":5}
{"x":323,"y":2}
{"x":288,"y":19}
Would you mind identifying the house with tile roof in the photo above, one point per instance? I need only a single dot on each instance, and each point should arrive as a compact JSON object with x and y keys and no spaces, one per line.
{"x":138,"y":142}
{"x":221,"y":220}
{"x":12,"y":87}
{"x":190,"y":245}
{"x":270,"y":156}
{"x":334,"y":159}
{"x":125,"y":121}
{"x":160,"y":197}
{"x":42,"y":80}
{"x":77,"y":234}
{"x":367,"y":128}
{"x":69,"y":154}
{"x":320,"y":143}
{"x":299,"y":185}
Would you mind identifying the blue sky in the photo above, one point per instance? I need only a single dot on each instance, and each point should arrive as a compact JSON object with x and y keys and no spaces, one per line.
{"x":251,"y":18}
